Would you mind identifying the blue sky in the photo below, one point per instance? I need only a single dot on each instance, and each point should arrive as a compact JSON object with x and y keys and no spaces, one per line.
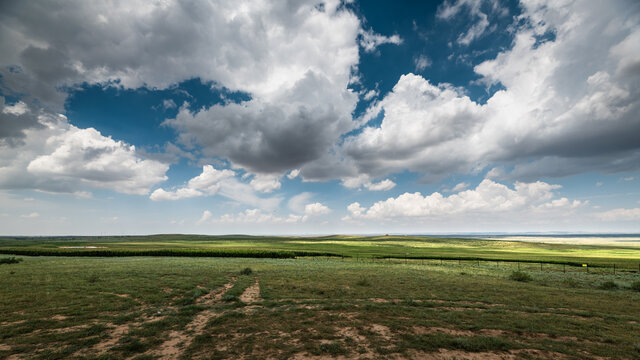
{"x":319,"y":117}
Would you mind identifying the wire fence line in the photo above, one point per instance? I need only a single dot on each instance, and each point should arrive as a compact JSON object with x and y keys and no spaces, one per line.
{"x":529,"y":265}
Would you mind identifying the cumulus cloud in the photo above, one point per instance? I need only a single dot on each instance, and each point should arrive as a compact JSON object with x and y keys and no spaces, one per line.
{"x":421,"y":124}
{"x":265,"y":183}
{"x":84,"y":154}
{"x":298,"y":125}
{"x":551,"y":119}
{"x":32,"y":215}
{"x":59,"y":157}
{"x":279,"y":53}
{"x":361,"y":180}
{"x":206,"y":215}
{"x":486,"y":199}
{"x":316,"y":209}
{"x":213,"y":181}
{"x":382,"y":185}
{"x":293,"y":174}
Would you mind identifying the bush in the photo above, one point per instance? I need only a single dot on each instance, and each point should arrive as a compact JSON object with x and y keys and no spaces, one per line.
{"x":246,"y":271}
{"x":520,"y":276}
{"x":10,"y":260}
{"x":363,"y":282}
{"x":635,"y":285}
{"x":608,"y":285}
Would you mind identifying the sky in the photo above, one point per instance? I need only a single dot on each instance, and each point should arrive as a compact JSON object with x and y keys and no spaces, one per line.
{"x":319,"y":117}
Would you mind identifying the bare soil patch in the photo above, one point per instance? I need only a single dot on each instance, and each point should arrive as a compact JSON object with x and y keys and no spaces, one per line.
{"x":173,"y":347}
{"x":251,"y":294}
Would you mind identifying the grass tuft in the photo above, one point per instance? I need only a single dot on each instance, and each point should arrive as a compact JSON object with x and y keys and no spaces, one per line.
{"x":635,"y":285}
{"x":246,"y":271}
{"x":520,"y":276}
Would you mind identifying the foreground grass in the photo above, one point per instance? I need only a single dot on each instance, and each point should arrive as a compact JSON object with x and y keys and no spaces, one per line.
{"x":111,"y":308}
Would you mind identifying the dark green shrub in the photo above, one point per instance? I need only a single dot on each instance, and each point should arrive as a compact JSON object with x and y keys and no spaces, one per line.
{"x":230,"y":298}
{"x":246,"y":271}
{"x":10,"y":260}
{"x":608,"y":285}
{"x":363,"y":282}
{"x":635,"y":285}
{"x":520,"y":276}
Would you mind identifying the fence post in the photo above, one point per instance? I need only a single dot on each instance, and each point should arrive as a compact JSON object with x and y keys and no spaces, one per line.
{"x":540,"y":266}
{"x":614,"y":269}
{"x":518,"y":265}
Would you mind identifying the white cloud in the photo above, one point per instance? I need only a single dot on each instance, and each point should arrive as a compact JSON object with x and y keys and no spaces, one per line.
{"x":552,"y":119}
{"x":213,"y":181}
{"x":32,"y":215}
{"x":298,"y":202}
{"x":184,"y":193}
{"x":18,"y":108}
{"x":86,"y":155}
{"x":486,"y":199}
{"x":364,"y":180}
{"x":370,"y":94}
{"x":619,"y":215}
{"x":206,"y":215}
{"x":628,"y":178}
{"x":459,"y":187}
{"x":293,"y":174}
{"x":316,"y":209}
{"x":369,"y":40}
{"x":265,"y":183}
{"x":421,"y":62}
{"x":59,"y":157}
{"x":448,"y":10}
{"x":382,"y":185}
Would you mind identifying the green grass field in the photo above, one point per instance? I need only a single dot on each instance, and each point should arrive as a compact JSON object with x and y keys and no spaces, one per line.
{"x":360,"y":306}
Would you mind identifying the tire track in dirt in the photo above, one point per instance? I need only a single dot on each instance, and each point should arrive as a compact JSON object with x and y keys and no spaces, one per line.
{"x":251,"y":294}
{"x":174,"y":346}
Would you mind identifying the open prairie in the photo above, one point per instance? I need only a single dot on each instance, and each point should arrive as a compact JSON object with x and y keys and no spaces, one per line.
{"x":360,"y":305}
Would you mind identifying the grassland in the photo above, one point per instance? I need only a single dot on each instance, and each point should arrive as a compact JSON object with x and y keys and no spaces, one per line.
{"x":316,"y":307}
{"x":349,"y":246}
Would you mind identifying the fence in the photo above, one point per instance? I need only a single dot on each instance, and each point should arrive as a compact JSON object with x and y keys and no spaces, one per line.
{"x":525,"y":265}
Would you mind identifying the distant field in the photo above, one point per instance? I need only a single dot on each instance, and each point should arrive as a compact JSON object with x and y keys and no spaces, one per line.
{"x":624,"y":257}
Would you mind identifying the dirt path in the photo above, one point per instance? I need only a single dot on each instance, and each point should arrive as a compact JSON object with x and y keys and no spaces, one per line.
{"x":251,"y":294}
{"x":173,"y":347}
